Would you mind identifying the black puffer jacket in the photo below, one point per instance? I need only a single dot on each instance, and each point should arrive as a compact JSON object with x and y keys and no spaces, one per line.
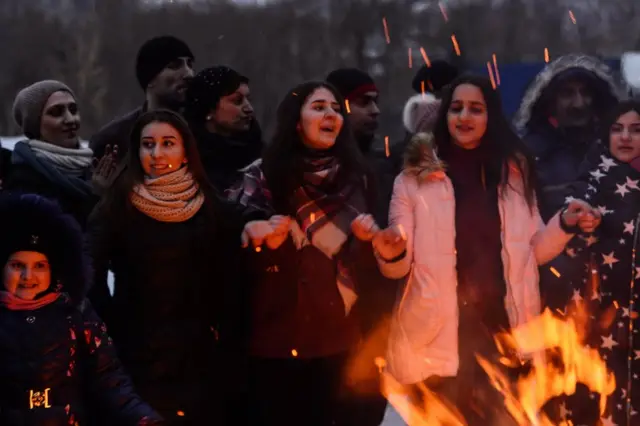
{"x":224,"y":156}
{"x":31,"y":175}
{"x":58,"y":360}
{"x":58,"y":366}
{"x":172,"y":315}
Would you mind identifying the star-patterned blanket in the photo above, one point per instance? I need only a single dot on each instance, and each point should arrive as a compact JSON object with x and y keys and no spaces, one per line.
{"x":608,"y":254}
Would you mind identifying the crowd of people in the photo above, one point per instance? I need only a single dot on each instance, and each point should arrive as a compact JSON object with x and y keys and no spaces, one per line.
{"x":250,"y":273}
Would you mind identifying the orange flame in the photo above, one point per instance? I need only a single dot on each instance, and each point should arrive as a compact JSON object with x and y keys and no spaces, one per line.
{"x":410,"y":59}
{"x":440,"y":412}
{"x":524,"y":399}
{"x":386,"y":146}
{"x":545,"y":381}
{"x":546,"y":55}
{"x":572,"y":16}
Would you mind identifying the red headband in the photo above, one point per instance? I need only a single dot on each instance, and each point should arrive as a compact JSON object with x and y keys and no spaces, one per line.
{"x":361,"y":90}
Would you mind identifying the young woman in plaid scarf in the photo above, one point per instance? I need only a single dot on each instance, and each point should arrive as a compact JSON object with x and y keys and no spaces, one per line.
{"x":307,"y":205}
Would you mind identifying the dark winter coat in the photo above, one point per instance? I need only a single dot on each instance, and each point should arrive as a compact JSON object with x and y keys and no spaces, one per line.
{"x":5,"y":165}
{"x":558,"y":153}
{"x":57,"y":361}
{"x":385,"y":168}
{"x":223,"y":157}
{"x":116,"y":133}
{"x":31,"y":175}
{"x":58,"y":366}
{"x":296,"y":304}
{"x":614,"y":188}
{"x":174,"y":313}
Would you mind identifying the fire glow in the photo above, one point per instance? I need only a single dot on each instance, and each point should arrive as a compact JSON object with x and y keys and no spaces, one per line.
{"x":554,"y":349}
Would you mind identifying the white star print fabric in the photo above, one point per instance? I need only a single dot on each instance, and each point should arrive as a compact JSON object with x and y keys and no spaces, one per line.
{"x":613,"y":190}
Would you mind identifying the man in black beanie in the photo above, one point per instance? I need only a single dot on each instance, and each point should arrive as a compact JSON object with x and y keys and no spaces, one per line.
{"x":164,"y":66}
{"x":359,"y":89}
{"x":434,"y":78}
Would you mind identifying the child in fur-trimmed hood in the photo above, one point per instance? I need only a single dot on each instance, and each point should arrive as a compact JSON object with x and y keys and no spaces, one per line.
{"x":58,"y":365}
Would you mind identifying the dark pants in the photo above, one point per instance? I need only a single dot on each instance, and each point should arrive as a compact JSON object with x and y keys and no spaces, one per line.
{"x":309,"y":392}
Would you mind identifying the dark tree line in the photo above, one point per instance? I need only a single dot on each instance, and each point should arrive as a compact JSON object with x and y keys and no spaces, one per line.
{"x":91,"y":44}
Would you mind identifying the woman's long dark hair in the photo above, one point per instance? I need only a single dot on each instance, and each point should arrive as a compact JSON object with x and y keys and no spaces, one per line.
{"x":613,"y":115}
{"x":117,"y":199}
{"x":503,"y":145}
{"x":281,"y":159}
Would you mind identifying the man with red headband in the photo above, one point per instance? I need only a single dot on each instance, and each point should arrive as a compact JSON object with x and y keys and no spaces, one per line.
{"x":376,"y":301}
{"x":361,"y":93}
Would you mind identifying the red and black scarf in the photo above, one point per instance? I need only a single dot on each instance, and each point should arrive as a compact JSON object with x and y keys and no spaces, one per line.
{"x":325,"y":204}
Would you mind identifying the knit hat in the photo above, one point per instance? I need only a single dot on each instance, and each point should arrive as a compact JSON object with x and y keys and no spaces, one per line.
{"x":29,"y":105}
{"x":420,"y":113}
{"x":156,"y":54}
{"x":207,"y":87}
{"x":351,"y":82}
{"x":35,"y":223}
{"x":435,"y":77}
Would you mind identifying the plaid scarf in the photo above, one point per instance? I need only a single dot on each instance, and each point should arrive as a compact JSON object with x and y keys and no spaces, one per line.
{"x":324,"y":210}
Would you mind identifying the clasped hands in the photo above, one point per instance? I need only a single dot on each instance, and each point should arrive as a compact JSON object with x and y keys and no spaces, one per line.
{"x":389,"y":243}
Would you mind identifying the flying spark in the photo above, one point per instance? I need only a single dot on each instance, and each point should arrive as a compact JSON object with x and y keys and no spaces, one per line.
{"x":425,"y":57}
{"x":455,"y":44}
{"x":443,"y":11}
{"x":493,"y":80}
{"x":386,"y":30}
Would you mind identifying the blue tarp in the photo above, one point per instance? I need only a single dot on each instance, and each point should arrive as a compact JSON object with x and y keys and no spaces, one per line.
{"x":514,"y":79}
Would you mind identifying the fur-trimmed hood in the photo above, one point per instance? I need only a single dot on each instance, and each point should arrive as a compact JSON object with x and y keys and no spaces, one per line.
{"x":420,"y":113}
{"x":597,"y":69}
{"x":33,"y":223}
{"x":421,"y":159}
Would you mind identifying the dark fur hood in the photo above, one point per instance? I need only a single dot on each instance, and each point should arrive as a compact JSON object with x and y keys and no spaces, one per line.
{"x":601,"y":75}
{"x":33,"y":223}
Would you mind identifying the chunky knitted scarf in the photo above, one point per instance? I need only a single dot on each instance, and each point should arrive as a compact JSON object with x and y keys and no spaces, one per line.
{"x":69,"y":161}
{"x":174,"y":197}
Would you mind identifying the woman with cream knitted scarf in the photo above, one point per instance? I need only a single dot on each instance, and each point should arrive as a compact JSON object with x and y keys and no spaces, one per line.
{"x":51,"y":160}
{"x":159,"y":229}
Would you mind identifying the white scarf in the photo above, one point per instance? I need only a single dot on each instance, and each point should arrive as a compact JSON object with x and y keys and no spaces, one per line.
{"x":68,"y":161}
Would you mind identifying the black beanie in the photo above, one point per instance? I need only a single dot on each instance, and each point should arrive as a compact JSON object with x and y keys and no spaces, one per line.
{"x":156,"y":54}
{"x":438,"y":75}
{"x":351,"y":82}
{"x":207,"y":87}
